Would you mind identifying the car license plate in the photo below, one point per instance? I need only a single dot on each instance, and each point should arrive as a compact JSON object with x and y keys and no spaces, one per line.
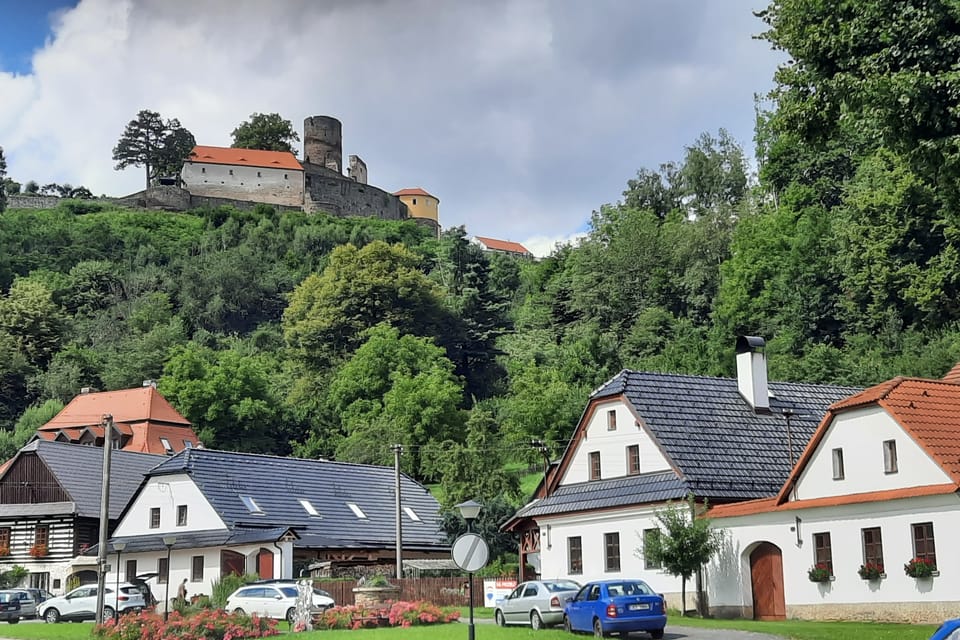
{"x":639,"y":607}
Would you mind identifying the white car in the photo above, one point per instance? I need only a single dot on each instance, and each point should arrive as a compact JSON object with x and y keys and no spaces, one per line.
{"x":274,"y":600}
{"x":81,"y":603}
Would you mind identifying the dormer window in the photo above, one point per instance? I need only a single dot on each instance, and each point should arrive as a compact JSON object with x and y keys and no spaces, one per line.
{"x":889,"y":456}
{"x":838,"y":464}
{"x":308,"y":507}
{"x":252,"y":505}
{"x":357,"y":511}
{"x":612,"y":420}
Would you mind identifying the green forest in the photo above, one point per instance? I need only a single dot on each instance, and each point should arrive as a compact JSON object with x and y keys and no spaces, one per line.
{"x":310,"y":335}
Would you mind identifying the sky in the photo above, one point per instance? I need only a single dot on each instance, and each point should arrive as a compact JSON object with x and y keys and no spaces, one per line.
{"x":521,"y":116}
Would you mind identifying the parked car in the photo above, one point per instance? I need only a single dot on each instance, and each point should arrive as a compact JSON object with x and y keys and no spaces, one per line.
{"x":274,"y":599}
{"x":538,"y":603}
{"x":9,"y":607}
{"x":81,"y":603}
{"x":28,"y":606}
{"x":39,"y":595}
{"x":949,"y":630}
{"x":609,"y":606}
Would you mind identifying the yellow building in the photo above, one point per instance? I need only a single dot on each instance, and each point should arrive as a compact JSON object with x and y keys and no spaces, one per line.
{"x":420,"y":204}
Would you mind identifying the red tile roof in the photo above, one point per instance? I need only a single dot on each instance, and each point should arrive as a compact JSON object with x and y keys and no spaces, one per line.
{"x":142,"y":414}
{"x":953,"y":375}
{"x":246,"y":157}
{"x":502,"y":245}
{"x":415,"y":191}
{"x":928,"y":410}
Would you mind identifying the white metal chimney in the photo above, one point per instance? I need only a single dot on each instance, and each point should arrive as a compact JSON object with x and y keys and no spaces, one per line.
{"x":752,"y":372}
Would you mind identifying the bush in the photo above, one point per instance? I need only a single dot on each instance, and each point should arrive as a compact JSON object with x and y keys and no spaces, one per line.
{"x":222,"y":588}
{"x":399,"y":614}
{"x":212,"y":624}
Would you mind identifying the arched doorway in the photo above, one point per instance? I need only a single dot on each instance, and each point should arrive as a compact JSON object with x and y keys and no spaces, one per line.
{"x":232,"y":562}
{"x":265,"y":564}
{"x":766,"y":578}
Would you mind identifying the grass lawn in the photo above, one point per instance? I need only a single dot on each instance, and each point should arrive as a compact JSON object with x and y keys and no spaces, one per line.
{"x":793,"y":629}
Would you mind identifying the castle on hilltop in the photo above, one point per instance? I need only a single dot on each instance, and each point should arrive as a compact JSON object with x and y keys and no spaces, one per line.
{"x":246,"y":177}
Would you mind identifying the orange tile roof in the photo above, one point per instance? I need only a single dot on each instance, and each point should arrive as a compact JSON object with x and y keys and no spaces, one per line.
{"x":142,"y":414}
{"x":415,"y":191}
{"x":768,"y":505}
{"x":953,"y":375}
{"x":245,"y":157}
{"x":928,"y":410}
{"x":502,"y":245}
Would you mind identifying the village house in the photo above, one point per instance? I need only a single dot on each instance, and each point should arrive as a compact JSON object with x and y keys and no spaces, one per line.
{"x":492,"y":245}
{"x":50,"y":508}
{"x":202,"y":514}
{"x":143,"y":419}
{"x":648,"y":438}
{"x":874,"y":491}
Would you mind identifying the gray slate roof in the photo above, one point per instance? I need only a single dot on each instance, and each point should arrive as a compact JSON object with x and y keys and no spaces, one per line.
{"x":615,"y":492}
{"x":724,"y":449}
{"x":195,"y":539}
{"x":276,"y":483}
{"x":79,"y":469}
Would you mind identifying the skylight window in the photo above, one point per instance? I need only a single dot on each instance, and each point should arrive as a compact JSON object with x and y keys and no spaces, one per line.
{"x":166,"y":445}
{"x":309,"y":508}
{"x":252,"y":506}
{"x":356,"y":510}
{"x":187,"y":444}
{"x":411,"y":514}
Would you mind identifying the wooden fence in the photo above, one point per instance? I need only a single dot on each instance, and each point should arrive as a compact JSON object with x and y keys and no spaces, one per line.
{"x":446,"y":591}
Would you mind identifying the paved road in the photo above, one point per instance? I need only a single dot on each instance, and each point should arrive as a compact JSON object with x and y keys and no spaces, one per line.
{"x":673,"y":632}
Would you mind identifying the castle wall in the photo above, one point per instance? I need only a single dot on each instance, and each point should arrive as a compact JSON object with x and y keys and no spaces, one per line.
{"x":32,"y":202}
{"x":358,"y":170}
{"x":260,"y":184}
{"x":328,"y":191}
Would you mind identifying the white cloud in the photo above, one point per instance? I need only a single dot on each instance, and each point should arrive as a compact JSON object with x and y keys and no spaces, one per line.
{"x":542,"y":246}
{"x":523,"y":116}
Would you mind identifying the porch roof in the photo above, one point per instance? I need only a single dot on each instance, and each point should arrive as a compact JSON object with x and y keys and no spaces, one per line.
{"x":195,"y":539}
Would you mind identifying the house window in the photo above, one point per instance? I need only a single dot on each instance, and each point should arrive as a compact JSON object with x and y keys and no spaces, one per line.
{"x":154,"y":517}
{"x":889,"y":456}
{"x":181,"y":515}
{"x":187,"y":444}
{"x":594,"y":465}
{"x":162,"y":570}
{"x":131,"y":570}
{"x":196,"y":569}
{"x":872,"y":546}
{"x":41,"y":535}
{"x":612,"y":420}
{"x":612,"y":546}
{"x":251,"y":505}
{"x":838,"y":464}
{"x":822,"y":552}
{"x":575,"y":555}
{"x":633,"y":459}
{"x":166,"y":445}
{"x":923,"y":546}
{"x":651,"y":538}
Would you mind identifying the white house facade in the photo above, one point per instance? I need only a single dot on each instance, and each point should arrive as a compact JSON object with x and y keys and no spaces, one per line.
{"x":274,"y":177}
{"x":876,"y":487}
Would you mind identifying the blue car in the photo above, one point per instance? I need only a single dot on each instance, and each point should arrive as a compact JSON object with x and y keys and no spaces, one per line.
{"x":949,"y":630}
{"x":616,"y":606}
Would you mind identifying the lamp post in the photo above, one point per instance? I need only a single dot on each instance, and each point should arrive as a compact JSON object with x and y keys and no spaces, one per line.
{"x":168,"y":542}
{"x":118,"y":547}
{"x":469,"y":511}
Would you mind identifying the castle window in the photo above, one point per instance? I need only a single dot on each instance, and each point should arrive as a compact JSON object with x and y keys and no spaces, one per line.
{"x":203,"y":169}
{"x":231,"y":171}
{"x":284,"y":176}
{"x":258,"y":174}
{"x":414,"y":201}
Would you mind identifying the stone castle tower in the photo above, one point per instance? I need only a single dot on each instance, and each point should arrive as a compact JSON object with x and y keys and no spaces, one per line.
{"x":323,"y":142}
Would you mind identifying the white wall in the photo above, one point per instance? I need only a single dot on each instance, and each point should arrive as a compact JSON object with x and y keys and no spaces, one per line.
{"x":861,"y":433}
{"x":167,"y":492}
{"x":260,"y":184}
{"x":729,"y":576}
{"x":612,"y":445}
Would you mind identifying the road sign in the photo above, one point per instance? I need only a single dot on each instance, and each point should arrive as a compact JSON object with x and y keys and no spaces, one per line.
{"x":470,"y":552}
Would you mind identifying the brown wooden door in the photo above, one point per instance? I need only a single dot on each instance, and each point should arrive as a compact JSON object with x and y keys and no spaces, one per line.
{"x":265,"y":564}
{"x":232,"y":562}
{"x":766,"y":578}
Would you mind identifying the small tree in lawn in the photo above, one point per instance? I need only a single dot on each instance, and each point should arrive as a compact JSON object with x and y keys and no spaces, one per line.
{"x":685,"y":543}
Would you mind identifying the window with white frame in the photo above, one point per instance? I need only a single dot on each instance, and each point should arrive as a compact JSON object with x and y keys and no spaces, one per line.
{"x":838,"y":473}
{"x":889,"y":456}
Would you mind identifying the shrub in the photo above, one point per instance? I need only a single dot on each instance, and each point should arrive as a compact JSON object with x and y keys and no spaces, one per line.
{"x":399,"y":614}
{"x":212,"y":624}
{"x":819,"y":572}
{"x":919,"y":568}
{"x":221,"y":589}
{"x":406,"y":614}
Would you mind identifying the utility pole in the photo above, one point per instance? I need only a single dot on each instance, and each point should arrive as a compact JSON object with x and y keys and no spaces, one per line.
{"x":397,"y":450}
{"x":107,"y":422}
{"x":541,"y":447}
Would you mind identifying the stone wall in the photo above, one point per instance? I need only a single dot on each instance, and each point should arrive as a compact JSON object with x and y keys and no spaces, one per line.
{"x":900,"y":612}
{"x":32,"y":202}
{"x":326,"y":190}
{"x":177,"y":199}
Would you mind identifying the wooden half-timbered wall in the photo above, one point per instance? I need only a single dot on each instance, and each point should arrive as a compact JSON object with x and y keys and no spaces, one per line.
{"x":30,"y":481}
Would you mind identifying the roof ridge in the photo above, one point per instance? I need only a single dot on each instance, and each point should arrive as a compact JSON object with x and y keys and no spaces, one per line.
{"x":205,"y":451}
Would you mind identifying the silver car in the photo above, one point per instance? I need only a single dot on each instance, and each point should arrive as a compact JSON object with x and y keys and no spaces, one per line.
{"x":28,"y":605}
{"x":538,"y":603}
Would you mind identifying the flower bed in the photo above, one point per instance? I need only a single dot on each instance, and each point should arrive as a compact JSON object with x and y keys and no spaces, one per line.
{"x":212,"y":624}
{"x":920,"y":568}
{"x":397,"y":614}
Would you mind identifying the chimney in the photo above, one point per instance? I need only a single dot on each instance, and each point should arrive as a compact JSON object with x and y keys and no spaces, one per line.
{"x":150,"y":383}
{"x":85,"y":390}
{"x":752,"y":372}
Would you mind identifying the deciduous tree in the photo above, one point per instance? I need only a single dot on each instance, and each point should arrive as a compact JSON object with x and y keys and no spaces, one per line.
{"x":265,"y":131}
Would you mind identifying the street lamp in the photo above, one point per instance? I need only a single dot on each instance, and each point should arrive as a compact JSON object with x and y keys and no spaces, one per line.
{"x":469,"y":511}
{"x":168,"y":542}
{"x":118,"y":547}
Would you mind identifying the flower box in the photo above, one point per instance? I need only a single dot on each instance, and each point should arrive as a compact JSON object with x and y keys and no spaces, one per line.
{"x":38,"y":550}
{"x":4,"y":550}
{"x":820,"y":572}
{"x":871,"y":571}
{"x":920,"y":568}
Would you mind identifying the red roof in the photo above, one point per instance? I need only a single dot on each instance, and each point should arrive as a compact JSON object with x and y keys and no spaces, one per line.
{"x":415,"y":191}
{"x":142,"y":414}
{"x":502,"y":245}
{"x":245,"y":157}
